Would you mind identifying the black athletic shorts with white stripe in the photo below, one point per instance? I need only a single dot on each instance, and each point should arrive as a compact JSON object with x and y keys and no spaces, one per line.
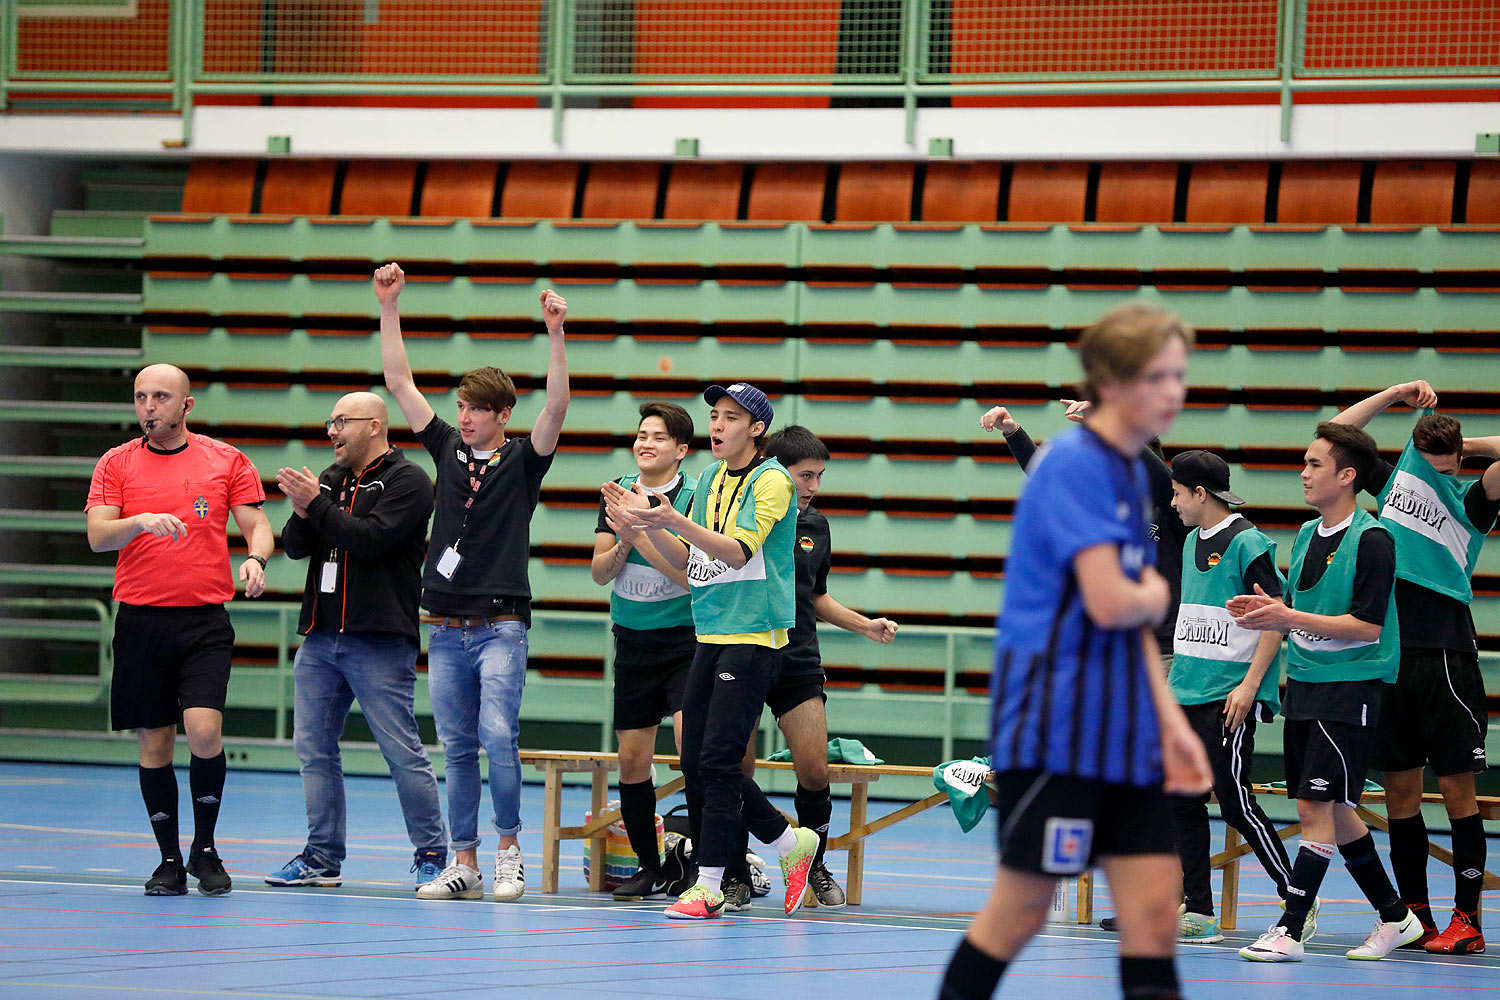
{"x":1434,"y":714}
{"x":1327,"y":761}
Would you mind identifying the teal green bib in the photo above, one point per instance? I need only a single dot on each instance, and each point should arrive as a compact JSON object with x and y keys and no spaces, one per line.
{"x":1210,"y":653}
{"x":1318,"y":659}
{"x":760,"y":595}
{"x":642,"y":598}
{"x":1436,"y":546}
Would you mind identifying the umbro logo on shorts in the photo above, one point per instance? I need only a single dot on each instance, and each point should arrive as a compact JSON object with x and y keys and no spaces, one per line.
{"x":1479,"y":753}
{"x":158,"y":817}
{"x":1471,"y":873}
{"x":1317,"y":782}
{"x":726,"y":676}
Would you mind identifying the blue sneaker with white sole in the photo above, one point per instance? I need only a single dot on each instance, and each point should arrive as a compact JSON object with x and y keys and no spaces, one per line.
{"x":428,"y":867}
{"x":302,"y":870}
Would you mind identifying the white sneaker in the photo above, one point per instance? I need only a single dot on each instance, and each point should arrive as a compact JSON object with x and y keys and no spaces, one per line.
{"x":1275,"y":945}
{"x":456,"y":882}
{"x":1386,"y":938}
{"x":510,"y":874}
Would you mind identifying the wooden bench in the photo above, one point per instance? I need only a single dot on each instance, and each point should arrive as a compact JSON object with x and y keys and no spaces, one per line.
{"x":1228,"y":860}
{"x":554,"y":764}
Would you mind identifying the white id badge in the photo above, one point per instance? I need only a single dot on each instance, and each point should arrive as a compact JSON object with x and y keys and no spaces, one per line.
{"x":330,"y":577}
{"x":447,"y":563}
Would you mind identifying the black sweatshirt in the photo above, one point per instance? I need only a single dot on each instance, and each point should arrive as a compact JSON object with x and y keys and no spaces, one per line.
{"x":373,"y":527}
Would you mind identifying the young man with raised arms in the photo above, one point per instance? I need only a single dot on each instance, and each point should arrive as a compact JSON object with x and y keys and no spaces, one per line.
{"x":1435,"y":714}
{"x":736,"y":547}
{"x":1344,"y":647}
{"x":475,"y":585}
{"x":654,"y":641}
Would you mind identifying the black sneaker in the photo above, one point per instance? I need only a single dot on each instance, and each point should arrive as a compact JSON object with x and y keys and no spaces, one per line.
{"x":678,"y":868}
{"x":736,"y":893}
{"x":169,"y":879}
{"x":825,"y":889}
{"x":646,"y":883}
{"x":206,"y":867}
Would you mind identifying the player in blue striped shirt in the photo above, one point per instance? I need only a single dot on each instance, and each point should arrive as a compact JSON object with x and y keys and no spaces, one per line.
{"x":1087,"y":739}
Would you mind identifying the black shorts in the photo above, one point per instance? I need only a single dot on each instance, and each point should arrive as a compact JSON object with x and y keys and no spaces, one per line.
{"x":1327,"y":761}
{"x":166,"y":660}
{"x":791,"y":690}
{"x":1058,"y":824}
{"x":650,"y":680}
{"x":1434,"y":714}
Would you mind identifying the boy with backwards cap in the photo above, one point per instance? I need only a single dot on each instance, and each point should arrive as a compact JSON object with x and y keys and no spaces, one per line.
{"x":736,"y":544}
{"x":1225,"y":676}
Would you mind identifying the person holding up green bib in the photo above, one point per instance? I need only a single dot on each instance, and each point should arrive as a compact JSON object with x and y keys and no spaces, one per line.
{"x":654,"y":642}
{"x":1226,"y":677}
{"x":1344,"y":647}
{"x":1435,"y":712}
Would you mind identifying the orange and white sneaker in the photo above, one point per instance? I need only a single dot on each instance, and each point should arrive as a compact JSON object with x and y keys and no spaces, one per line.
{"x":698,"y":903}
{"x":1462,"y":937}
{"x":796,"y":865}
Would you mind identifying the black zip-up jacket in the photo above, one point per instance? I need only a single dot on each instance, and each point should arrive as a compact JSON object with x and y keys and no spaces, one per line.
{"x":374,"y":528}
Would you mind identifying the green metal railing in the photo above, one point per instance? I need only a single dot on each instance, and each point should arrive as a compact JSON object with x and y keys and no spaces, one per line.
{"x":564,"y":52}
{"x":273,"y":688}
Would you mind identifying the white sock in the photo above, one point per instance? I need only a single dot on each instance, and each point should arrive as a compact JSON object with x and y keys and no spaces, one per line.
{"x":786,"y":842}
{"x":711,"y":878}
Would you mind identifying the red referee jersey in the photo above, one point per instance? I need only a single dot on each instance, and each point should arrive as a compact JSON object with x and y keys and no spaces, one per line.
{"x":198,"y":484}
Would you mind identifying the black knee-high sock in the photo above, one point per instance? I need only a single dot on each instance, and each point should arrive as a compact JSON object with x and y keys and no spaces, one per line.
{"x":638,"y":811}
{"x":206,"y":782}
{"x":1364,"y":865}
{"x":1148,"y":978}
{"x":1409,"y":863}
{"x":815,"y":811}
{"x":971,"y":975}
{"x":1308,"y":869}
{"x":159,"y":792}
{"x":1469,"y":852}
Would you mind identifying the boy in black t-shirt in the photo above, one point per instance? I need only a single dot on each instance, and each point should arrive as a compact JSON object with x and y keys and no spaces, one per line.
{"x":797,"y":698}
{"x":654,"y":639}
{"x":1435,"y":713}
{"x":475,"y":586}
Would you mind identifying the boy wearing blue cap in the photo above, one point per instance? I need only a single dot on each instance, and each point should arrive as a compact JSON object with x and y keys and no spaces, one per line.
{"x":736,"y":545}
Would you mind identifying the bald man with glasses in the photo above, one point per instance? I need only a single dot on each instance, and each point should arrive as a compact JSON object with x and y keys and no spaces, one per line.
{"x":362,"y":525}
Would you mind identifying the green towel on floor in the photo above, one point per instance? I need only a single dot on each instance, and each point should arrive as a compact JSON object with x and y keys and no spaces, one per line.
{"x":841,"y":750}
{"x":963,"y":780}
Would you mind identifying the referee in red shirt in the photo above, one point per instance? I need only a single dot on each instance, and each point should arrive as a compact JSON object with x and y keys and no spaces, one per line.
{"x":162,"y":501}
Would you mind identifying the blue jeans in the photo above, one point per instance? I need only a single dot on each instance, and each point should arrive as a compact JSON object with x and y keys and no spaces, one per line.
{"x":475,"y":676}
{"x":381,"y":671}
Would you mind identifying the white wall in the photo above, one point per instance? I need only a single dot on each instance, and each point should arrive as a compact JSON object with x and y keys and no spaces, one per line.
{"x":1229,"y":131}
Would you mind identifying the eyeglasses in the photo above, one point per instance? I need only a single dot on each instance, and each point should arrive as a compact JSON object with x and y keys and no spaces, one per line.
{"x":338,"y":423}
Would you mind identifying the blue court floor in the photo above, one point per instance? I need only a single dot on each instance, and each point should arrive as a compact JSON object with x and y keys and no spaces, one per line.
{"x":75,"y":849}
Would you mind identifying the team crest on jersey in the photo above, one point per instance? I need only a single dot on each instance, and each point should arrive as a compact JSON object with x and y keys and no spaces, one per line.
{"x":200,"y":507}
{"x":1213,"y":559}
{"x":1066,"y":844}
{"x":806,"y":543}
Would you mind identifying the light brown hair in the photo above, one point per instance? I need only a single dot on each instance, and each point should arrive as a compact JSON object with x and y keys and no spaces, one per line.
{"x":1119,"y":345}
{"x":487,"y":387}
